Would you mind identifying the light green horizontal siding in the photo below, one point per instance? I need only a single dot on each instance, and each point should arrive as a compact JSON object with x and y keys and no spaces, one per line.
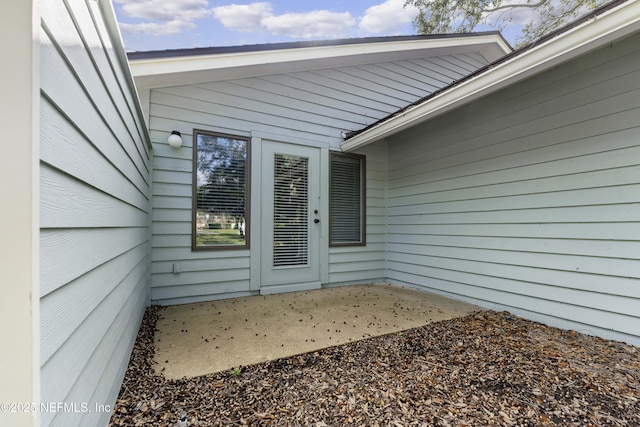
{"x":528,"y":199}
{"x":94,"y":212}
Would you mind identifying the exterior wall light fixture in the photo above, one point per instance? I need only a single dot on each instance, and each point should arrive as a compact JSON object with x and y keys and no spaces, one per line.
{"x":175,"y":139}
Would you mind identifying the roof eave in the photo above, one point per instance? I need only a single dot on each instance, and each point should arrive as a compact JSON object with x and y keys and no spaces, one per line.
{"x":597,"y":32}
{"x":175,"y":70}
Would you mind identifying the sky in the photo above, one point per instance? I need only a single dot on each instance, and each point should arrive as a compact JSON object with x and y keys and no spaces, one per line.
{"x":172,"y":24}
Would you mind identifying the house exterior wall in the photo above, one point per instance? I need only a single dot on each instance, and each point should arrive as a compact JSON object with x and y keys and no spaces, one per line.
{"x":310,"y":108}
{"x":528,"y":200}
{"x":95,"y":168}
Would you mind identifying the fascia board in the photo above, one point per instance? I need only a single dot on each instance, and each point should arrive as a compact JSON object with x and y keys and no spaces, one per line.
{"x":169,"y":71}
{"x":600,"y":31}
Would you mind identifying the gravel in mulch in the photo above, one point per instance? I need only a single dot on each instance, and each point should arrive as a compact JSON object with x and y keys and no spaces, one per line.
{"x":487,"y":368}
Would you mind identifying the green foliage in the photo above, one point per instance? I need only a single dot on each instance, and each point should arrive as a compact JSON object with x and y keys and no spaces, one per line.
{"x":219,"y":237}
{"x":464,"y":16}
{"x":235,"y":371}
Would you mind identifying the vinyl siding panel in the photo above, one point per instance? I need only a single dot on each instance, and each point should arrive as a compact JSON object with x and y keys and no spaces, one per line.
{"x":311,"y":108}
{"x":95,"y":165}
{"x":527,"y":200}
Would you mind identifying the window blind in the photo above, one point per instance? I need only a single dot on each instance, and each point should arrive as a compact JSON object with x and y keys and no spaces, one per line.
{"x":290,"y":211}
{"x":346,"y":210}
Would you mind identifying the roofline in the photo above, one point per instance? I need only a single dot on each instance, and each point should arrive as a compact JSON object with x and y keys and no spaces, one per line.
{"x":170,"y":68}
{"x":111,"y":24}
{"x":220,"y":50}
{"x":596,"y":29}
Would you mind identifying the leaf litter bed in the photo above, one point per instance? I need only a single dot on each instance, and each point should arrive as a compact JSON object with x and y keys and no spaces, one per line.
{"x":487,"y":368}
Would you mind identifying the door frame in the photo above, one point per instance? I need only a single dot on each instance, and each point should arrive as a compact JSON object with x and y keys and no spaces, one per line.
{"x":256,"y":253}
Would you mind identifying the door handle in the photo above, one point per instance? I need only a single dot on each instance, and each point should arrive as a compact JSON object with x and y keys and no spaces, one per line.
{"x":316,"y":220}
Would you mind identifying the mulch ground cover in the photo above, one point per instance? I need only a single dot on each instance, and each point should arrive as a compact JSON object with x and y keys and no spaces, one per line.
{"x":487,"y":368}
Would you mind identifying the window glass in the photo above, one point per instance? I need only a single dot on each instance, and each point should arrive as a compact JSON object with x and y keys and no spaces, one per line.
{"x":220,"y":212}
{"x":347,"y":200}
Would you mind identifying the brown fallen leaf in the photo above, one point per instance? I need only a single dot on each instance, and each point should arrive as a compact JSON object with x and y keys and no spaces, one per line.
{"x":507,"y":371}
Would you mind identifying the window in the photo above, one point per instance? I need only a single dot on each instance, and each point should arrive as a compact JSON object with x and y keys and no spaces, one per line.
{"x":220,"y":191}
{"x":347,"y":214}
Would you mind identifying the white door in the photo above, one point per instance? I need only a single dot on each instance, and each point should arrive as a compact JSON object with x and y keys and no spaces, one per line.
{"x":290,"y":259}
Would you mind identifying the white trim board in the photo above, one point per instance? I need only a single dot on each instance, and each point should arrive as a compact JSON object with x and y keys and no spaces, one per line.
{"x":20,"y":189}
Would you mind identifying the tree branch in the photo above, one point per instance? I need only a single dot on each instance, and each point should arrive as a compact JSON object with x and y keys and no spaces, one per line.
{"x":513,"y":6}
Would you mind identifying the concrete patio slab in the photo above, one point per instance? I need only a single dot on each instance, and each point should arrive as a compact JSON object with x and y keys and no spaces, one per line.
{"x":202,"y":338}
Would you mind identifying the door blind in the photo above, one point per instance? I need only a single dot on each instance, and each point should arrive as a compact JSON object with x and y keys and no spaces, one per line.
{"x":290,"y":211}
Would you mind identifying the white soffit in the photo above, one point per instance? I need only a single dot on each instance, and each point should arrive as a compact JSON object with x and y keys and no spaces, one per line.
{"x":180,"y":70}
{"x":597,"y":32}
